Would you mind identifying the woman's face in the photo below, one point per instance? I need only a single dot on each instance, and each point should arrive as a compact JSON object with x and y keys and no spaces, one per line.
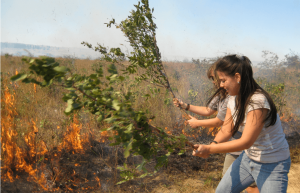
{"x":230,"y":83}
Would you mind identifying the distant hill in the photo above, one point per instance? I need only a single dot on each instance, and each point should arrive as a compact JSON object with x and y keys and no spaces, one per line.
{"x":19,"y":49}
{"x":25,"y":46}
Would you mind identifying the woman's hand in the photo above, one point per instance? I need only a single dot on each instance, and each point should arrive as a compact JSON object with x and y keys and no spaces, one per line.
{"x":201,"y":151}
{"x":179,"y":103}
{"x":193,"y":122}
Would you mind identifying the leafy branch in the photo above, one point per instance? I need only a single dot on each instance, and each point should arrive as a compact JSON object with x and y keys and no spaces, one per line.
{"x":100,"y":96}
{"x":140,"y":30}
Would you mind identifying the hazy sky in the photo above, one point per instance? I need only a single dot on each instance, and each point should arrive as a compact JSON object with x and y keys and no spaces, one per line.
{"x":186,"y":29}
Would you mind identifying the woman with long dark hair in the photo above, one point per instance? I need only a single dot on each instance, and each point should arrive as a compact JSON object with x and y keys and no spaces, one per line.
{"x":250,"y":110}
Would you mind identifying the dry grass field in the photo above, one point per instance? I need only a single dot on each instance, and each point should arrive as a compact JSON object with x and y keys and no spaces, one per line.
{"x":43,"y":150}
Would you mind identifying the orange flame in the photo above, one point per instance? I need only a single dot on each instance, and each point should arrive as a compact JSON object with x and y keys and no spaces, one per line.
{"x":104,"y":136}
{"x":72,"y":139}
{"x":286,"y":118}
{"x":13,"y":156}
{"x":16,"y":160}
{"x":34,"y":88}
{"x":98,"y":180}
{"x":213,"y":131}
{"x":168,"y":131}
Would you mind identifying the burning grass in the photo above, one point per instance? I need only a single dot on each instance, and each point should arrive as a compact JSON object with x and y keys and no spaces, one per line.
{"x":82,"y":164}
{"x":78,"y":163}
{"x":34,"y":167}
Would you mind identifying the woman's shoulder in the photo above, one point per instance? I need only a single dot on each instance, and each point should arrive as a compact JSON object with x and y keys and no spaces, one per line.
{"x":258,"y":96}
{"x":231,"y":98}
{"x":259,"y":100}
{"x":231,"y":101}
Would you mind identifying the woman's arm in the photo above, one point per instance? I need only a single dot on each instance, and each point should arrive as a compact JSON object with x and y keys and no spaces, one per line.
{"x":204,"y":111}
{"x":200,"y":110}
{"x":225,"y":133}
{"x":253,"y":127}
{"x":214,"y":122}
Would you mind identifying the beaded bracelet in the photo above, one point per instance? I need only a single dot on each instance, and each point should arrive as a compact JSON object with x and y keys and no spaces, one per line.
{"x":187,"y":107}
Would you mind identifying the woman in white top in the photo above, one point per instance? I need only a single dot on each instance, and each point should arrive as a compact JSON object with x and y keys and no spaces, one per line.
{"x":217,"y":102}
{"x":250,"y":110}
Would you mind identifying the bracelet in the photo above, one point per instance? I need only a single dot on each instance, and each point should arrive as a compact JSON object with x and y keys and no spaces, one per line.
{"x":214,"y":142}
{"x":187,"y":107}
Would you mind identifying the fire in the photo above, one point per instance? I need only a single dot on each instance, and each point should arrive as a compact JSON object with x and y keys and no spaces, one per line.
{"x":286,"y":118}
{"x":98,"y":180}
{"x":213,"y":131}
{"x":72,"y":139}
{"x":13,"y":156}
{"x":7,"y":132}
{"x":168,"y":131}
{"x":188,"y":135}
{"x":34,"y":87}
{"x":25,"y":154}
{"x":104,"y":136}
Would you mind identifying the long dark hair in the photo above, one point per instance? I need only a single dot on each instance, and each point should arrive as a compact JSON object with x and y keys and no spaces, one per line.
{"x":219,"y":91}
{"x":232,"y":64}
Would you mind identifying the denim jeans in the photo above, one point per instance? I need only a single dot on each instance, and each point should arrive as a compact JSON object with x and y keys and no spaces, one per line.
{"x":269,"y":177}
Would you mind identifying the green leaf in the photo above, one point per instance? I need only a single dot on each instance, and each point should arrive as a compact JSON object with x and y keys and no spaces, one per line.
{"x":113,"y":77}
{"x":162,"y":160}
{"x":128,"y":148}
{"x":110,"y":119}
{"x":69,"y":107}
{"x":143,"y":175}
{"x":76,"y":105}
{"x":41,"y":159}
{"x":181,"y":152}
{"x":122,"y":78}
{"x":141,"y":165}
{"x":121,"y":182}
{"x":32,"y":61}
{"x":100,"y":118}
{"x":61,"y":69}
{"x":93,"y":76}
{"x":18,"y":77}
{"x":112,"y":69}
{"x":116,"y":105}
{"x":70,"y":101}
{"x":129,"y":128}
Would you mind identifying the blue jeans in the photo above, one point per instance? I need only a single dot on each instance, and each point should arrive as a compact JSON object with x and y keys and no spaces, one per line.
{"x":269,"y":177}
